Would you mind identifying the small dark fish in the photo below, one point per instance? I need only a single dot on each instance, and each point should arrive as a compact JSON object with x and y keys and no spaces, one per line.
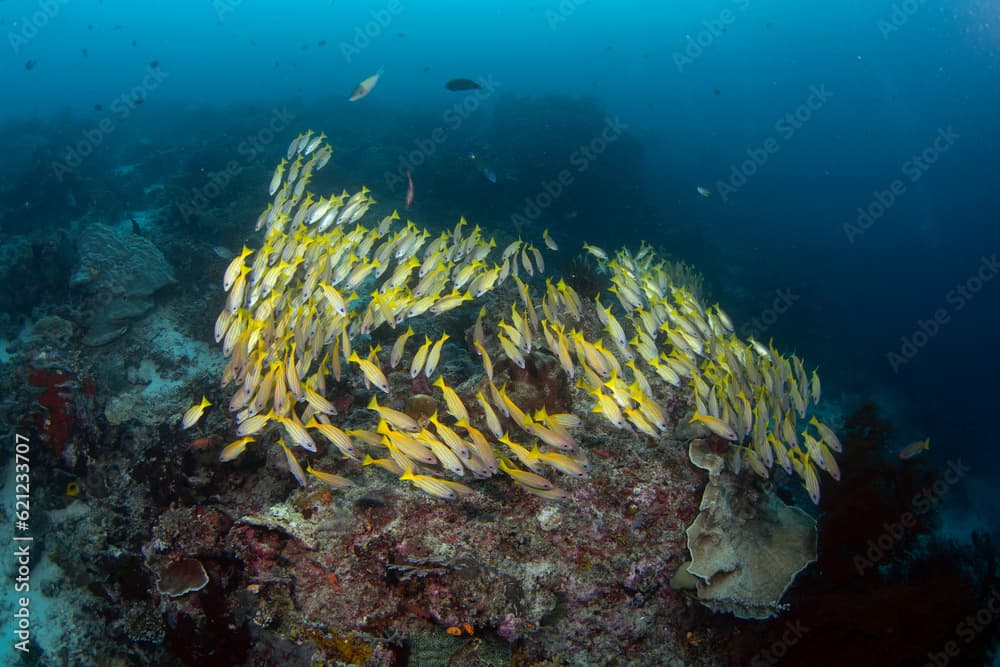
{"x":84,"y":52}
{"x":30,"y":65}
{"x":138,"y":100}
{"x":90,"y":26}
{"x":717,"y":92}
{"x":426,"y":68}
{"x":401,"y":35}
{"x":133,"y":43}
{"x":154,"y":64}
{"x":136,"y":229}
{"x":98,"y":107}
{"x":321,"y":42}
{"x":462,"y":84}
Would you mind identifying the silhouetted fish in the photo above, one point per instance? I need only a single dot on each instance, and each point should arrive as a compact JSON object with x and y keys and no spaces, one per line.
{"x":462,"y":84}
{"x":136,"y":229}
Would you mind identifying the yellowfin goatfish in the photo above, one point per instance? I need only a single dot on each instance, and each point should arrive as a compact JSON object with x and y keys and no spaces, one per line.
{"x":365,"y":86}
{"x":194,"y":413}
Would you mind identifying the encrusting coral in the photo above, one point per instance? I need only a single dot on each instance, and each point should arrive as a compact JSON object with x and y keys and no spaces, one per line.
{"x":745,"y":553}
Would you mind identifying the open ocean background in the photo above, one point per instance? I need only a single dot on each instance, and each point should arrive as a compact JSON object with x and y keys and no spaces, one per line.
{"x":698,"y":85}
{"x":850,"y":98}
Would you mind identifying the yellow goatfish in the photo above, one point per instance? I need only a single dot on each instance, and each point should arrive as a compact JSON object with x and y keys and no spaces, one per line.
{"x":365,"y":86}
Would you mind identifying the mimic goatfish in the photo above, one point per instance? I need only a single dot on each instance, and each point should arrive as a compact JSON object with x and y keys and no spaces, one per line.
{"x":365,"y":86}
{"x":409,"y":190}
{"x":194,"y":413}
{"x":704,"y":192}
{"x":915,"y":448}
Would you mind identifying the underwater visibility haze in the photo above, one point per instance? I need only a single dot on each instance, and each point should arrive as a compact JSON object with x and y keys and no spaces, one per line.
{"x":542,"y":332}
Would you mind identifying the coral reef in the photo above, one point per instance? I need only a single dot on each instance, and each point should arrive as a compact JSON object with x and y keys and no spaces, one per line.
{"x":181,"y":577}
{"x":120,"y":271}
{"x":746,"y":546}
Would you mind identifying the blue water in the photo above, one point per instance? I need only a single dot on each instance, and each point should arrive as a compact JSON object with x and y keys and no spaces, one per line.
{"x":837,"y":99}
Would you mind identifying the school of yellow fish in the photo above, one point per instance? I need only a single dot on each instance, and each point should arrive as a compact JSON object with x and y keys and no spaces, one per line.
{"x":322,"y":279}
